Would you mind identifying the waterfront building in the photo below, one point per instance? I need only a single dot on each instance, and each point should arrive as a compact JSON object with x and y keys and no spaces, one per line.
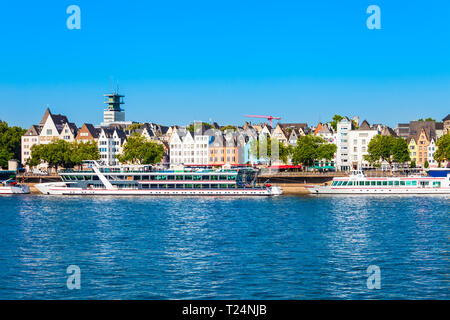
{"x":110,"y":144}
{"x":52,"y":127}
{"x":358,"y":142}
{"x":423,"y":141}
{"x":188,"y":148}
{"x":281,"y":134}
{"x":431,"y":150}
{"x":412,"y":147}
{"x":342,"y":154}
{"x":28,"y":140}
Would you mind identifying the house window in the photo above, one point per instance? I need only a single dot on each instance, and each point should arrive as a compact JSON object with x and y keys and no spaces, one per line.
{"x":49,"y":132}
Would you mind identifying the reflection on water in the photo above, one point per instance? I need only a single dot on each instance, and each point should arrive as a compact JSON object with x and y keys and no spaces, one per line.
{"x":224,"y":248}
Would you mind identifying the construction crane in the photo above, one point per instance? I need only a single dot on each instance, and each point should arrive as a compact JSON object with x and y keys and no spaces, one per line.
{"x":270,"y":118}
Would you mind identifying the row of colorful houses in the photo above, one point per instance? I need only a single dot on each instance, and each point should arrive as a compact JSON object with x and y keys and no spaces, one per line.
{"x":211,"y":144}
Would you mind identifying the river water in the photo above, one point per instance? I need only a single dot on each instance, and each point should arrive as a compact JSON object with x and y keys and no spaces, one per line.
{"x":283,"y":247}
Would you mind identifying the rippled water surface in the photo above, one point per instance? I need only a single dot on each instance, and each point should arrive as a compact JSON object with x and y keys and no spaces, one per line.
{"x":204,"y":248}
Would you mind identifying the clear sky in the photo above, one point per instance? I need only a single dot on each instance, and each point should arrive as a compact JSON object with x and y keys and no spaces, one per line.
{"x":179,"y":61}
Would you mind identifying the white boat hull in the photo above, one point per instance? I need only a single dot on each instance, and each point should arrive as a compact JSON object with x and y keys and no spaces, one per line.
{"x":60,"y":188}
{"x":17,"y":189}
{"x":407,"y":190}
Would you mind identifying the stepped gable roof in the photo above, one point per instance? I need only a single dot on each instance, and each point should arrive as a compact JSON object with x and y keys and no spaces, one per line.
{"x":365,"y":126}
{"x":33,"y":131}
{"x":73,"y":127}
{"x":412,"y":137}
{"x":44,"y":118}
{"x":109,"y":132}
{"x":94,"y":132}
{"x":318,"y":128}
{"x":59,"y":121}
{"x":121,"y":134}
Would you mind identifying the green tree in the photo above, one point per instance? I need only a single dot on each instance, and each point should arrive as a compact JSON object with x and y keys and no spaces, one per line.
{"x":387,"y":148}
{"x":10,"y":143}
{"x":57,"y":153}
{"x":336,"y":119}
{"x":137,"y":150}
{"x":310,"y":148}
{"x":427,"y":119}
{"x":413,"y":164}
{"x":400,"y":151}
{"x":81,"y":151}
{"x":426,"y":164}
{"x":442,"y":152}
{"x":134,"y":126}
{"x":60,"y":153}
{"x":229,"y":127}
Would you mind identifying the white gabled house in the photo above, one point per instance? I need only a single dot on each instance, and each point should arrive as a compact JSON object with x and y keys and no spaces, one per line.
{"x":110,"y":144}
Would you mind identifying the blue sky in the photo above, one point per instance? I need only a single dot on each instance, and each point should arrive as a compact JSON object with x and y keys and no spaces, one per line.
{"x":179,"y":61}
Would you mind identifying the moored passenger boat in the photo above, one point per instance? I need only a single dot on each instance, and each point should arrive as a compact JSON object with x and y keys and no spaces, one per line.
{"x":8,"y":184}
{"x":359,"y":183}
{"x":143,"y":180}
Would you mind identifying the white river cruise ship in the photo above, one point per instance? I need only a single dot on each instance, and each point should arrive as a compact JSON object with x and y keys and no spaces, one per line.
{"x":359,"y":183}
{"x":143,"y":180}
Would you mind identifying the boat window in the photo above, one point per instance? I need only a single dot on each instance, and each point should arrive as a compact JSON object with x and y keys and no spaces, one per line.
{"x":436,"y":184}
{"x":145,"y":178}
{"x":205,"y":178}
{"x":171,"y":186}
{"x":179,"y":178}
{"x":333,"y":183}
{"x":391,"y":183}
{"x":179,"y":186}
{"x":145,"y":186}
{"x":414,"y":183}
{"x":187,"y":177}
{"x":367,"y":183}
{"x":170,"y":177}
{"x":339,"y":183}
{"x":385,"y":183}
{"x":137,"y":177}
{"x":396,"y":183}
{"x":378,"y":183}
{"x":350,"y":183}
{"x":402,"y":183}
{"x":344,"y":183}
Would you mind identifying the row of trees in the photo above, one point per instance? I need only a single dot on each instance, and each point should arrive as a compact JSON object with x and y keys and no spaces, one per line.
{"x":60,"y":153}
{"x":387,"y":148}
{"x":9,"y":143}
